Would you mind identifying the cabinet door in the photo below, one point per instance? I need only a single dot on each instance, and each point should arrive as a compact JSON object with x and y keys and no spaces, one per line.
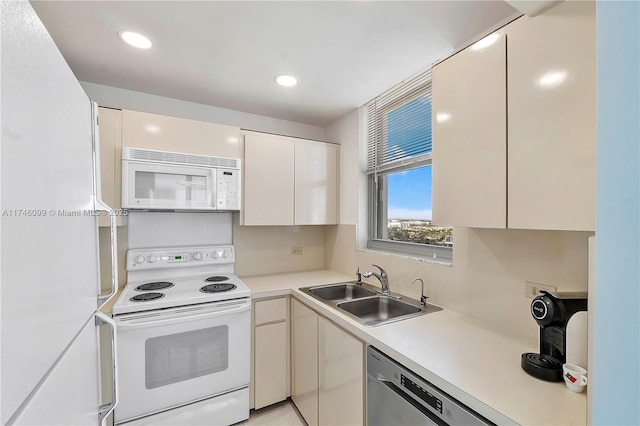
{"x":110,"y":129}
{"x":316,"y":183}
{"x":341,"y":378}
{"x":162,"y":133}
{"x":469,"y":138}
{"x":270,"y":364}
{"x":304,"y":361}
{"x":268,"y":179}
{"x":552,"y":119}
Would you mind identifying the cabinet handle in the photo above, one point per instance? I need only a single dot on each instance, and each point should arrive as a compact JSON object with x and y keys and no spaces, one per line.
{"x":106,"y":409}
{"x":101,"y":206}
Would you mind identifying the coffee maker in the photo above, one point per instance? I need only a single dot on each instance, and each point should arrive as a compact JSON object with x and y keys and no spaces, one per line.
{"x":552,"y":312}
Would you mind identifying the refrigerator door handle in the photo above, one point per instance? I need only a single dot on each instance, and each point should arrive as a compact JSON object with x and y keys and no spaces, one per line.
{"x":101,"y":206}
{"x":106,"y":409}
{"x":104,"y":298}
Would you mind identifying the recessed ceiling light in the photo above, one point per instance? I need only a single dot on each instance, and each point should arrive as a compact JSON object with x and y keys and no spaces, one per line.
{"x":135,"y":39}
{"x":286,"y":80}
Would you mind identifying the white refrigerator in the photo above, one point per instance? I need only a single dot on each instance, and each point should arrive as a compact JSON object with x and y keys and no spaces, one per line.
{"x":49,"y":264}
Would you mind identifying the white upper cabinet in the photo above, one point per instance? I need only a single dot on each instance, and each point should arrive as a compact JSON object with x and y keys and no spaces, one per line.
{"x":162,"y":133}
{"x":289,"y":181}
{"x":514,"y":126}
{"x":552,"y":119}
{"x":316,"y":180}
{"x":268,"y":179}
{"x":470,"y":137}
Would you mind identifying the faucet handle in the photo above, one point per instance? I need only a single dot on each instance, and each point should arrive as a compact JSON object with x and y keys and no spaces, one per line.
{"x":383,"y":273}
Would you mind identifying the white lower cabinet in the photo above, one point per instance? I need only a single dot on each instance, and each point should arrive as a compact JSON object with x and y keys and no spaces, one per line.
{"x":304,"y":361}
{"x":327,"y":370}
{"x":271,"y":352}
{"x":340,"y":376}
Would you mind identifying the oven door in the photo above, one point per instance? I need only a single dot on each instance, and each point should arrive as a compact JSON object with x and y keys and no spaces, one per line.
{"x":176,"y":356}
{"x":161,"y":186}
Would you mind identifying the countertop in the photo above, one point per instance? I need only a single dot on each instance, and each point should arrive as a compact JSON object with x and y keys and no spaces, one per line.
{"x":470,"y":360}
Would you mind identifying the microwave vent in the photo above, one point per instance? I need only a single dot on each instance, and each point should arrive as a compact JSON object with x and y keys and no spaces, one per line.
{"x":179,"y":158}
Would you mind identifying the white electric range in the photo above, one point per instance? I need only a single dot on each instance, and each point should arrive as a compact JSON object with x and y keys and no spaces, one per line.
{"x":183,"y":342}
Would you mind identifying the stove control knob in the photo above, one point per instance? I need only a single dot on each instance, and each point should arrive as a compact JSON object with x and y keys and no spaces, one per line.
{"x":197,"y":256}
{"x":152,"y":259}
{"x":226,"y":254}
{"x":139,"y":259}
{"x":217,"y":254}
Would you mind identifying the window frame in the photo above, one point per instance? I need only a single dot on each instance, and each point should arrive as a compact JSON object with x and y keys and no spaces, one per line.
{"x":376,"y":175}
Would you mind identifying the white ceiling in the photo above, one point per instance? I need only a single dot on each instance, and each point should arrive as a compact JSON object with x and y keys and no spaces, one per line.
{"x":226,"y":53}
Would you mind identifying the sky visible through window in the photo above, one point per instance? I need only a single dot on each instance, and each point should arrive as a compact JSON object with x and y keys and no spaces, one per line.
{"x":409,"y":192}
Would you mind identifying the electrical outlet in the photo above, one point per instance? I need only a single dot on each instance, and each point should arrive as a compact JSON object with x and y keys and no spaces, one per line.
{"x":531,"y":290}
{"x":296,"y":251}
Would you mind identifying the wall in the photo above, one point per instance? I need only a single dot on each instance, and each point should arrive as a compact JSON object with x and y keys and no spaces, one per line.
{"x":490,"y":266}
{"x":347,"y":128}
{"x":267,"y":249}
{"x":615,"y":379}
{"x":137,"y":101}
{"x":259,"y":250}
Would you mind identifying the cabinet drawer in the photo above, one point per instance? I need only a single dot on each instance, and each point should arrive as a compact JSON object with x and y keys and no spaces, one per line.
{"x":270,"y":310}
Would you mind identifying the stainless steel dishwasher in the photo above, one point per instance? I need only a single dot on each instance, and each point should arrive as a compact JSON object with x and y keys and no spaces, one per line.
{"x":396,"y":396}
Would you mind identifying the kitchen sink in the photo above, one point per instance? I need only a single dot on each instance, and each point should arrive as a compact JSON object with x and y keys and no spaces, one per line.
{"x":365,"y":304}
{"x":374,"y":310}
{"x":342,"y":291}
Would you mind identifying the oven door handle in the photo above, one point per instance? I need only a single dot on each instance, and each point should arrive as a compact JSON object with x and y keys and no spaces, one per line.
{"x":182,"y":315}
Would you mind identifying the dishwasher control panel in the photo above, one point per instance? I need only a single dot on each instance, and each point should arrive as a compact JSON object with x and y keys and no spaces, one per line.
{"x":396,"y":395}
{"x":421,"y":393}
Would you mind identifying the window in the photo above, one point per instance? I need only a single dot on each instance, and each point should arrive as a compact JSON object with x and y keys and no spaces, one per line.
{"x":399,"y":173}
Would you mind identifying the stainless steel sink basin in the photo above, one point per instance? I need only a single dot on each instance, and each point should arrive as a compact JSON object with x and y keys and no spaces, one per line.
{"x":375,"y":310}
{"x":342,"y":291}
{"x":365,"y":304}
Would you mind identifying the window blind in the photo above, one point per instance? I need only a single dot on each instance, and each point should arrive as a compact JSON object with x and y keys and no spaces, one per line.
{"x":399,"y":124}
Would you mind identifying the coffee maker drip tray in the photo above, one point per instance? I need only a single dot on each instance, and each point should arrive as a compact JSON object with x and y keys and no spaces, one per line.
{"x":543,"y":367}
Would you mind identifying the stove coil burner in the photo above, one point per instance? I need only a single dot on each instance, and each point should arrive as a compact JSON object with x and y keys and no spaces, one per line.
{"x":216,"y":279}
{"x":217,"y":288}
{"x":158,"y":285}
{"x":144,"y":297}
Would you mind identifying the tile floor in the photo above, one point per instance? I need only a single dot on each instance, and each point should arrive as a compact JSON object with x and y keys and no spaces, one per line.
{"x":281,"y":414}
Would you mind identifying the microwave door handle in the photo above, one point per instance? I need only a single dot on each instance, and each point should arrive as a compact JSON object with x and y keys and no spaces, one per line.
{"x":101,"y":206}
{"x":155,"y":321}
{"x":191,"y":184}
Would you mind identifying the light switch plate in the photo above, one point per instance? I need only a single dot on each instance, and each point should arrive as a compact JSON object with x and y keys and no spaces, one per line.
{"x":532,"y":289}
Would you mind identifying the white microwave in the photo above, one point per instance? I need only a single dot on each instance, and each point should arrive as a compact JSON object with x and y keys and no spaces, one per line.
{"x":160,"y":180}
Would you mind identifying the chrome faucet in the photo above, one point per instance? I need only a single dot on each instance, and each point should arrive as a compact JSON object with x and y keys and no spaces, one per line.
{"x":382,"y":277}
{"x":423,"y":298}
